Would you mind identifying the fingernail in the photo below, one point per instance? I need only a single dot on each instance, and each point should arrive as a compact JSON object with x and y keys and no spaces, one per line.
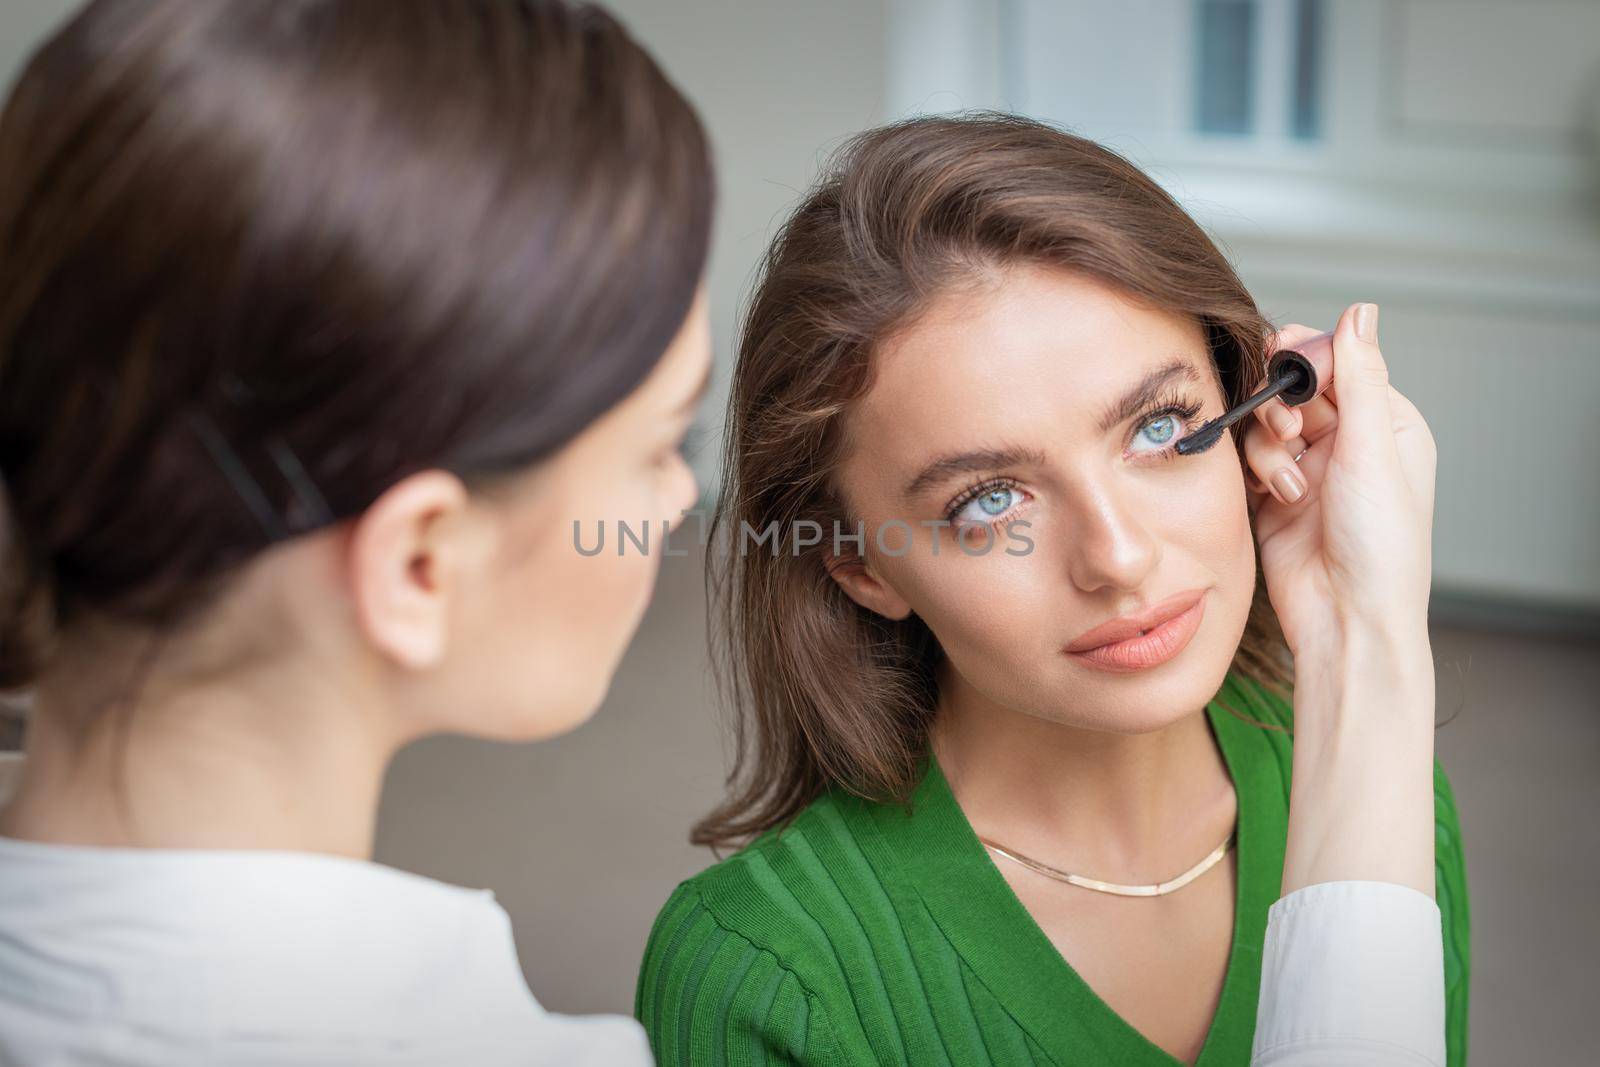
{"x":1367,"y":322}
{"x":1280,"y":418}
{"x":1288,"y":484}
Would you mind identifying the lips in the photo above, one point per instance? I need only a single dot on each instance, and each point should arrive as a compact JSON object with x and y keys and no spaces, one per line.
{"x":1131,"y":625}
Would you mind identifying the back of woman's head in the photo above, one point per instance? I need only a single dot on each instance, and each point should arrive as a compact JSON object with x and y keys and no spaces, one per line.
{"x":826,"y":692}
{"x":260,"y":259}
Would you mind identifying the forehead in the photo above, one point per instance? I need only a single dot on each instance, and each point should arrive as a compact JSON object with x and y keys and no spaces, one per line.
{"x":1027,"y":348}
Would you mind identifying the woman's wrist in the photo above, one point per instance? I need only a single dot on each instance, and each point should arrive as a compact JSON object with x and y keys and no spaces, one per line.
{"x":1361,"y":660}
{"x":1361,"y":797}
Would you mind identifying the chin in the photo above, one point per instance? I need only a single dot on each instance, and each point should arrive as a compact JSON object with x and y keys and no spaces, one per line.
{"x":526,"y":722}
{"x":1139,"y":702}
{"x":555,"y":721}
{"x":1137,"y":718}
{"x":1141,"y":723}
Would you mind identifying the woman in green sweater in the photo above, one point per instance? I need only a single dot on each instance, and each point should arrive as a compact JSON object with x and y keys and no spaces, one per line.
{"x":974,"y":831}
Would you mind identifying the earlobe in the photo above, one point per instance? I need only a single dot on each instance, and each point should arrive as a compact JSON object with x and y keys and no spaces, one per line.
{"x":401,"y":564}
{"x":864,"y":587}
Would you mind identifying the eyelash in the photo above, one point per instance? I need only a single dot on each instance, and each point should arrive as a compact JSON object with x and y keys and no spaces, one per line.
{"x":1180,"y":404}
{"x":972,"y":492}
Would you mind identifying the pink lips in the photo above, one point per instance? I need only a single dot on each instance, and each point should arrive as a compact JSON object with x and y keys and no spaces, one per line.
{"x":1119,"y":645}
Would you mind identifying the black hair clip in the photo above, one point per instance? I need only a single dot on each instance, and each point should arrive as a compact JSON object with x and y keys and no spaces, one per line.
{"x":315,"y":505}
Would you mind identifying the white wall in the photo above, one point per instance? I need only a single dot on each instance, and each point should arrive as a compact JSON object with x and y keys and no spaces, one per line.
{"x":23,"y":23}
{"x":778,"y":84}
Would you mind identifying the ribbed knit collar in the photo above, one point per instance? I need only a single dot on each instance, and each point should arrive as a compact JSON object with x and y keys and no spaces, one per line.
{"x":939,"y":854}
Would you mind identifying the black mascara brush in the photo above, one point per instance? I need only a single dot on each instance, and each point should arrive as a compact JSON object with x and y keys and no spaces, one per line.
{"x":1292,"y":376}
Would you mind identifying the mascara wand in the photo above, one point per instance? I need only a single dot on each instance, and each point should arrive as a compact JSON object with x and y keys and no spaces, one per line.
{"x":1290,"y":376}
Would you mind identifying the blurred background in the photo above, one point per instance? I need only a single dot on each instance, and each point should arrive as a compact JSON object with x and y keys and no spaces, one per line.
{"x":1438,"y":157}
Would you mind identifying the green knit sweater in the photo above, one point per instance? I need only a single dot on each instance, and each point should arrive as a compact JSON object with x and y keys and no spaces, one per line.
{"x":860,"y":934}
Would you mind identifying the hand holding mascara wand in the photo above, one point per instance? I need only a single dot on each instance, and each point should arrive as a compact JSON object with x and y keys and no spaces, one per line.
{"x":1345,"y":531}
{"x":1348,"y":568}
{"x":1346,"y":557}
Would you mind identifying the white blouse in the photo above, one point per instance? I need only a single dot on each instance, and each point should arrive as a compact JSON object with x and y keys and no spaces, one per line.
{"x":188,"y":958}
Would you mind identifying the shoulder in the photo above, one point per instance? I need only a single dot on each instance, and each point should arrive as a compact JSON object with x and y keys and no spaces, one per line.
{"x":1450,"y":890}
{"x":744,"y":949}
{"x":707,"y":992}
{"x":781,"y":893}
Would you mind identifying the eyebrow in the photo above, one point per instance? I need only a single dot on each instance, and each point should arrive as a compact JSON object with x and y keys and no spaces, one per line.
{"x":1144,"y":394}
{"x":699,"y":393}
{"x":1135,"y":400}
{"x":983,"y":459}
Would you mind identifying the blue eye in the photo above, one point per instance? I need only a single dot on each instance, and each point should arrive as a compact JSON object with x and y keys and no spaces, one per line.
{"x":995,"y":500}
{"x":985,"y":504}
{"x":1166,"y":429}
{"x":1164,"y":426}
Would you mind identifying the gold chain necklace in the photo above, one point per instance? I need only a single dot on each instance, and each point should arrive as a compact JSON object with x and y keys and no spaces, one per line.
{"x":1156,"y":890}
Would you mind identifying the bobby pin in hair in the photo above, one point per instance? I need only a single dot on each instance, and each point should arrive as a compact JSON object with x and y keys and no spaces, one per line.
{"x":249,"y":489}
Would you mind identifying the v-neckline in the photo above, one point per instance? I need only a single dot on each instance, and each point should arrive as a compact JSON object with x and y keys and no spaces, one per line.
{"x":978,"y":911}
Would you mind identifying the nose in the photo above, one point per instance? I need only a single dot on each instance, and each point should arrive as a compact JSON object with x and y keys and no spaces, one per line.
{"x":1109,"y":540}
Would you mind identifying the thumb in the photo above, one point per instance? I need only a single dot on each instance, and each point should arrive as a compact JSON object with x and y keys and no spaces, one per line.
{"x":1361,"y":382}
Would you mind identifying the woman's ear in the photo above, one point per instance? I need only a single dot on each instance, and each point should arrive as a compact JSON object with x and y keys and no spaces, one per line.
{"x":405,"y":555}
{"x":861,"y":584}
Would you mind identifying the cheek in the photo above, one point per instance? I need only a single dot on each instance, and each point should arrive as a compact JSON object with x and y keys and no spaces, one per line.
{"x":1210,"y":517}
{"x":600,"y":596}
{"x":680,"y":495}
{"x":1235,"y":544}
{"x":988,"y":608}
{"x":566,"y":612}
{"x":1212,"y":532}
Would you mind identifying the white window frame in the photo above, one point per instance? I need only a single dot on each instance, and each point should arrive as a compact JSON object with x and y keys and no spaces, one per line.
{"x":1368,"y":203}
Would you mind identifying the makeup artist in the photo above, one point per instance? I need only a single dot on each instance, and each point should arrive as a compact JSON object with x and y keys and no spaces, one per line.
{"x":321,"y":322}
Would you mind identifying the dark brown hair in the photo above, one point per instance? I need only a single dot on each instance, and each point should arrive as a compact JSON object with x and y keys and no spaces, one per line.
{"x":825,"y":692}
{"x":261,"y":259}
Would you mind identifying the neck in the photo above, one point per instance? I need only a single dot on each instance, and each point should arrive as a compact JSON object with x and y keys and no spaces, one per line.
{"x":1124,"y":807}
{"x":256,"y":762}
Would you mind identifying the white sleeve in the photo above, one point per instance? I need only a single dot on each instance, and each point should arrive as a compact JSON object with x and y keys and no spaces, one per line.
{"x":1352,"y":972}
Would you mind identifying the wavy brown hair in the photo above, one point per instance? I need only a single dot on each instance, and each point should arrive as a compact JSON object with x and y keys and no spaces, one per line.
{"x":823,"y":691}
